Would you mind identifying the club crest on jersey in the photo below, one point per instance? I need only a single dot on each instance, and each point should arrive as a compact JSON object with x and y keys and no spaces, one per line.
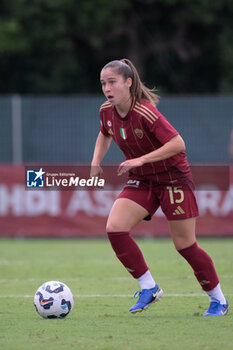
{"x":139,"y":133}
{"x":123,"y":133}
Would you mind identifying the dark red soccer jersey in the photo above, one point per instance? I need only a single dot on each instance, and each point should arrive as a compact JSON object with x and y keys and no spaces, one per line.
{"x":142,"y":131}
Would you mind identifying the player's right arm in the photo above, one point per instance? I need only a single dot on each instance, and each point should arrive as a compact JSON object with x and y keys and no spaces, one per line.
{"x":101,"y":148}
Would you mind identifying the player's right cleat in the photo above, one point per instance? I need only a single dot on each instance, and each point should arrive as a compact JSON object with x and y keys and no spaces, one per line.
{"x":146,"y":298}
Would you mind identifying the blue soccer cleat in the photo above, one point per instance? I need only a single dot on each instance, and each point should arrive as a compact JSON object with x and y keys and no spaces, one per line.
{"x":146,"y":298}
{"x":217,"y":309}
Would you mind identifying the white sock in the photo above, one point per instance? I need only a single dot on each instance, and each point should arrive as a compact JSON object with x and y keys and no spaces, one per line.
{"x":217,"y":294}
{"x":146,"y":281}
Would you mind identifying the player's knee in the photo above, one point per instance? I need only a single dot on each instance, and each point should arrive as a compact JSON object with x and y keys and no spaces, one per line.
{"x":116,"y":227}
{"x":181,"y":242}
{"x":113,"y":227}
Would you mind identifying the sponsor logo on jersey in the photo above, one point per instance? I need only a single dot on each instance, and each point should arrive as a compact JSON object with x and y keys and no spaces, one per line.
{"x":133,"y":183}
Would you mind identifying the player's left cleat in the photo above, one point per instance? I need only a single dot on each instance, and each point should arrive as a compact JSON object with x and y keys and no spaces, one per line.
{"x":146,"y":298}
{"x":217,"y":309}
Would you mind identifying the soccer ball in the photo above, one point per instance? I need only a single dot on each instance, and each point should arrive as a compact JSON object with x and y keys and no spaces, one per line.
{"x":53,"y":300}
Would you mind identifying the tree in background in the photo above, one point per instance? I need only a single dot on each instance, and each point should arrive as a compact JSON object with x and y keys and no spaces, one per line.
{"x":59,"y":46}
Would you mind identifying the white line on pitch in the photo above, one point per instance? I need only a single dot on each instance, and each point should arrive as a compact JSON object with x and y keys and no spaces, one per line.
{"x":113,"y":295}
{"x":123,"y":278}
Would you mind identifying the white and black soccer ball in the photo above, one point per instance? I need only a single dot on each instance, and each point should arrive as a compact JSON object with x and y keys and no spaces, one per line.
{"x":53,"y":300}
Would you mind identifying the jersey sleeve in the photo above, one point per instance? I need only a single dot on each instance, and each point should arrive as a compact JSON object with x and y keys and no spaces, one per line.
{"x":102,"y":127}
{"x":160,"y":127}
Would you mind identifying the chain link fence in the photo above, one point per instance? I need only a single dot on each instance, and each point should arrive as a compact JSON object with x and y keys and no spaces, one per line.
{"x":63,"y":129}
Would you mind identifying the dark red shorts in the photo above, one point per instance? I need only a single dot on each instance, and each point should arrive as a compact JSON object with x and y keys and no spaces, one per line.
{"x":174,"y":194}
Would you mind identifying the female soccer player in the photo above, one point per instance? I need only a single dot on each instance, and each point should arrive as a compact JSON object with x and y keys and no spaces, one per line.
{"x":159,"y":175}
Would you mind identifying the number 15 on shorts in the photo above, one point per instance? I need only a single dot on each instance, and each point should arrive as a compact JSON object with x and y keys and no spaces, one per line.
{"x":176,"y":195}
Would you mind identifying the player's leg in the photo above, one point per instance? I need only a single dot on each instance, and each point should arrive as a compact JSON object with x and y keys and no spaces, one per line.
{"x":183,"y":232}
{"x":180,"y":207}
{"x":124,"y":216}
{"x":183,"y":235}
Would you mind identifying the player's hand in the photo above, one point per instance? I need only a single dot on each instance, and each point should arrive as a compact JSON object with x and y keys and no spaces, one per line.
{"x":96,"y":171}
{"x":129,"y":164}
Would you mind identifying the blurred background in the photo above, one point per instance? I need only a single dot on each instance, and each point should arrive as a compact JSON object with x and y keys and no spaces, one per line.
{"x":51,"y":54}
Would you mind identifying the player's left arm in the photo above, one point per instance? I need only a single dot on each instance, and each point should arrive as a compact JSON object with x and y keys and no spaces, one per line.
{"x":174,"y":146}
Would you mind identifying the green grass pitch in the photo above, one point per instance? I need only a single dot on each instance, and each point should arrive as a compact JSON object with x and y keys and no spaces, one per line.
{"x":103,"y":293}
